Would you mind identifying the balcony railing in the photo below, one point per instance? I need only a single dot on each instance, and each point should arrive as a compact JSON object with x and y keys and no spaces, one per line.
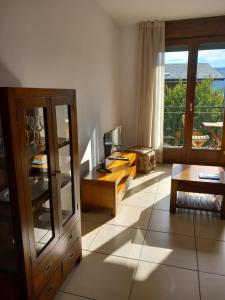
{"x":174,"y":127}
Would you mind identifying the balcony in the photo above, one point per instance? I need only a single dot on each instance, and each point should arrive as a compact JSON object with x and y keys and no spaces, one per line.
{"x":203,"y":115}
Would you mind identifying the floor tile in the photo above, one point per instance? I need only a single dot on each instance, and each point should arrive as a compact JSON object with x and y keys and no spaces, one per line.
{"x":181,"y":223}
{"x":166,"y":254}
{"x":120,"y":241}
{"x":89,"y":231}
{"x":211,"y":256}
{"x":170,"y":249}
{"x":140,"y":199}
{"x":102,"y":277}
{"x":162,"y":201}
{"x":99,"y":215}
{"x":164,"y":187}
{"x":165,"y":171}
{"x":164,"y":166}
{"x":145,"y":180}
{"x":66,"y":296}
{"x":132,"y":216}
{"x":209,"y":226}
{"x":212,"y":286}
{"x":70,"y":275}
{"x":160,"y":282}
{"x":165,"y":178}
{"x":150,"y":187}
{"x":153,"y":175}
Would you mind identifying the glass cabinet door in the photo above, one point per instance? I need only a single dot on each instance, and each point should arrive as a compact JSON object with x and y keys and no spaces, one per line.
{"x":65,"y":162}
{"x":7,"y":239}
{"x":39,"y":185}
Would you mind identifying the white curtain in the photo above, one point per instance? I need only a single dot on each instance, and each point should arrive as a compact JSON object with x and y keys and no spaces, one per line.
{"x":150,"y":93}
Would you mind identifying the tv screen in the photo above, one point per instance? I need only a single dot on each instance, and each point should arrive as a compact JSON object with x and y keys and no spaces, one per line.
{"x":112,"y":141}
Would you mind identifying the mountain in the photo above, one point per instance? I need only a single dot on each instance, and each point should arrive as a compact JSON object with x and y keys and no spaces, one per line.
{"x":179,"y":71}
{"x":221,"y":70}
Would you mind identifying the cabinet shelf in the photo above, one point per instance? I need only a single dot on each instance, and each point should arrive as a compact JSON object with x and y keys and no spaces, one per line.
{"x":36,"y":148}
{"x":62,"y":142}
{"x":40,"y":195}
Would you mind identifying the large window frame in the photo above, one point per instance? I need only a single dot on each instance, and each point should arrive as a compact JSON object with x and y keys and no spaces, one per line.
{"x":190,"y":36}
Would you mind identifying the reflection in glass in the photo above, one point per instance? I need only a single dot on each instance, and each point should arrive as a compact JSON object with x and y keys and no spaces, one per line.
{"x":176,"y":62}
{"x":209,"y":97}
{"x":7,"y":240}
{"x":63,"y":136}
{"x":39,"y":183}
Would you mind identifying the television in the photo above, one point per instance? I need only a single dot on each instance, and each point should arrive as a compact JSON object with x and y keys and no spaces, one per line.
{"x":112,"y":148}
{"x":112,"y":142}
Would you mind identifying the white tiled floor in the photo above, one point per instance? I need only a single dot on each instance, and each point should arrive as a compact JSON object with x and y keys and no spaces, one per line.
{"x":147,"y":253}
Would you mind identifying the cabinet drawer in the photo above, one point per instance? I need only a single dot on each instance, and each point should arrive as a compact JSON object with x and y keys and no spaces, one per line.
{"x":70,"y":237}
{"x":71,"y":257}
{"x":52,"y":287}
{"x":45,"y":272}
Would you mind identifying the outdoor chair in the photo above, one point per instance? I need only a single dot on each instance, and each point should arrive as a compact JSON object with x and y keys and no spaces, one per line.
{"x":198,"y":140}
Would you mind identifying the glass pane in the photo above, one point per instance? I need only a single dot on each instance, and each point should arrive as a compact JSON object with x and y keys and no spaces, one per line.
{"x":64,"y":146}
{"x":7,"y":241}
{"x":209,"y":97}
{"x":176,"y":65}
{"x":39,"y":179}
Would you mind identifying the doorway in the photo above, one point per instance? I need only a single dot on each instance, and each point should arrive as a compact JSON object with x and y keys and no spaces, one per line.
{"x":194,"y":101}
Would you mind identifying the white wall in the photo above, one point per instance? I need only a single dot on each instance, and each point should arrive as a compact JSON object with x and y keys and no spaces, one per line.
{"x":65,"y":44}
{"x":128,"y":82}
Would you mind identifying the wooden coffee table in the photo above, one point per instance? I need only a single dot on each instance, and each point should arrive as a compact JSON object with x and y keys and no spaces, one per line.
{"x":185,"y":183}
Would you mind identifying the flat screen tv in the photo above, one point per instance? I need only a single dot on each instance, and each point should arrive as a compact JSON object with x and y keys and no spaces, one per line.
{"x":112,"y":142}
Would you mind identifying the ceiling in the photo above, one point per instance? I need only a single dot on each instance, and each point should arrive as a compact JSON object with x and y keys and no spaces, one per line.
{"x":126,"y":12}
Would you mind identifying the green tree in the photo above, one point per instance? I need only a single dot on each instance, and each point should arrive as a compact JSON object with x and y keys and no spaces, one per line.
{"x":209,"y":103}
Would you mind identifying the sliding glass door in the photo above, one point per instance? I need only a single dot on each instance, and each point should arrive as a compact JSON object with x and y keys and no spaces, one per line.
{"x":209,"y":95}
{"x":194,"y":102}
{"x":176,"y":67}
{"x":175,"y":100}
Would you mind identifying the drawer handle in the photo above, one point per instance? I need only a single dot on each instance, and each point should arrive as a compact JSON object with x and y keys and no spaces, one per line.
{"x":48,"y":268}
{"x":49,"y":290}
{"x":72,"y":254}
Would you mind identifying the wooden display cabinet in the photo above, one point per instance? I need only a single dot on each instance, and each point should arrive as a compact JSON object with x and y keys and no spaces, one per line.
{"x":107,"y":189}
{"x":40,"y":233}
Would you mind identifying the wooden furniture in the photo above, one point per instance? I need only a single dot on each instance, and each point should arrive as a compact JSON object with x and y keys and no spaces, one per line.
{"x":146,"y":158}
{"x":210,"y":126}
{"x":40,"y":233}
{"x":198,"y":140}
{"x":185,"y":178}
{"x":107,"y":189}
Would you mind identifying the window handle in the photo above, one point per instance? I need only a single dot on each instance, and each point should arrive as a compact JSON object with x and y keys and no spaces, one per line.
{"x":191,"y":107}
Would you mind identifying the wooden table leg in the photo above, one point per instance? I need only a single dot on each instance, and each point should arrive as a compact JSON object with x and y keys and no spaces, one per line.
{"x":113,"y":212}
{"x":114,"y":209}
{"x":222,"y":213}
{"x":173,"y":196}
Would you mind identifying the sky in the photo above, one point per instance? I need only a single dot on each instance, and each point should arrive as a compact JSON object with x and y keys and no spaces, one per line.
{"x":216,"y":58}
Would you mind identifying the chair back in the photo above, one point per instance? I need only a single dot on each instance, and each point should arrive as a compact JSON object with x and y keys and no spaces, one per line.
{"x":183,"y":119}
